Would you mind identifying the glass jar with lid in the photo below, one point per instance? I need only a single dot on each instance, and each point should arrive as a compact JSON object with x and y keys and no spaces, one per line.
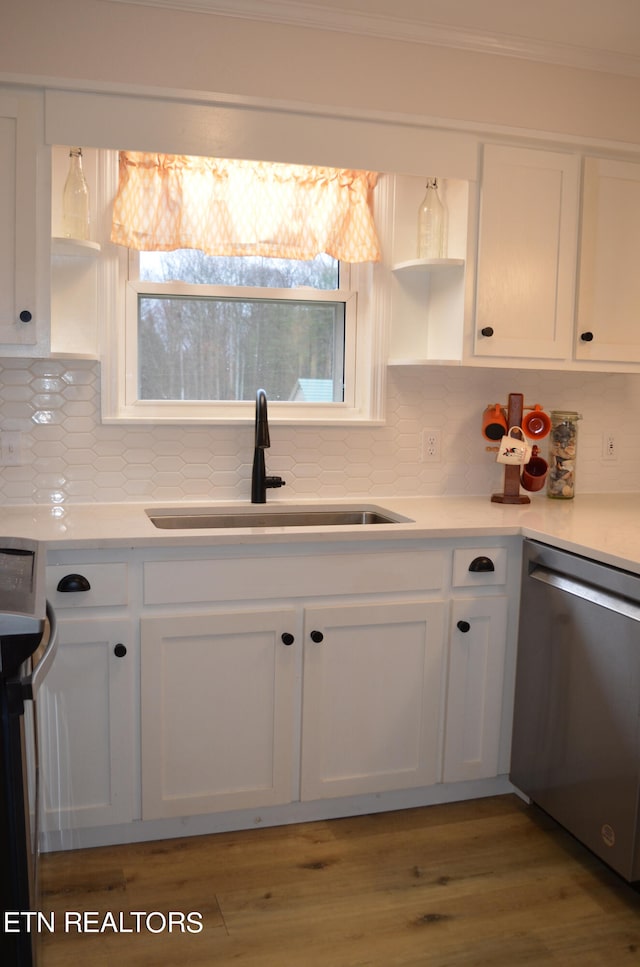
{"x":563,"y":446}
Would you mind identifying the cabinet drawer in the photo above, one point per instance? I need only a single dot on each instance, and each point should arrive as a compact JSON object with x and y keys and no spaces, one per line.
{"x":234,"y":579}
{"x":107,"y":585}
{"x":472,"y":557}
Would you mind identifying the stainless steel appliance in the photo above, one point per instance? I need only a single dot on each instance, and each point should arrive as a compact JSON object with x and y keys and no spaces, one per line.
{"x":27,"y":647}
{"x":576,"y":733}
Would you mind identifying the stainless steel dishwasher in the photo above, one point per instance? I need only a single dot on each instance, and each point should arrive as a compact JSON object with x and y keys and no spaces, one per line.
{"x":576,"y":732}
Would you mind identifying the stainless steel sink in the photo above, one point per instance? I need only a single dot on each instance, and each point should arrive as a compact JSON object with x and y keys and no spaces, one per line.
{"x":174,"y":518}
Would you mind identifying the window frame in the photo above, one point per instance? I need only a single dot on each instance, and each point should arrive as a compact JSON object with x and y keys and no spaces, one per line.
{"x":365,"y":342}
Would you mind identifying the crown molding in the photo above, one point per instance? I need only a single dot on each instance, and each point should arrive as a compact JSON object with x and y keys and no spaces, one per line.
{"x":319,"y":16}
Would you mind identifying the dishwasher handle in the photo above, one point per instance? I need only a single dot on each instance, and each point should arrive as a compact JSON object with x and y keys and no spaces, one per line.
{"x":588,"y":592}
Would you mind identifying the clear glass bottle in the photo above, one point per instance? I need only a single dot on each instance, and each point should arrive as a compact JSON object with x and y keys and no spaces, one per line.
{"x":431,"y":223}
{"x":563,"y":446}
{"x":75,"y":199}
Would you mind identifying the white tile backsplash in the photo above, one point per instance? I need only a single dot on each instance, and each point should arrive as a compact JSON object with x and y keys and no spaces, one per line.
{"x":70,"y":456}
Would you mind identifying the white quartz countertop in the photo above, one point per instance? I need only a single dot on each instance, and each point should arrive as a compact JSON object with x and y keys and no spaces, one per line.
{"x":606,"y":527}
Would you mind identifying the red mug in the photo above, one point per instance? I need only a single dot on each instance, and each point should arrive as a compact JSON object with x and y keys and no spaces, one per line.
{"x":534,"y":473}
{"x":536,"y":424}
{"x":494,"y":422}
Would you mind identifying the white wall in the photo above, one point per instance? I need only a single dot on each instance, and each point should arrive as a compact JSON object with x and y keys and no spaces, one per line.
{"x":95,"y":41}
{"x":69,"y":455}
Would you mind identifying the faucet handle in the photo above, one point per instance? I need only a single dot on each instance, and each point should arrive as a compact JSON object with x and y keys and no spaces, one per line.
{"x":274,"y":482}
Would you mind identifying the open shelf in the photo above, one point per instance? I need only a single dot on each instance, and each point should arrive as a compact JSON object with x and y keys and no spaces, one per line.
{"x":426,"y":295}
{"x":426,"y":265}
{"x":80,"y":248}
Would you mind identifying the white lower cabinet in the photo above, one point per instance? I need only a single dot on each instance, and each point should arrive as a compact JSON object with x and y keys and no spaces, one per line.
{"x":87,"y":726}
{"x":273,"y":681}
{"x":219,"y":705}
{"x":371,"y":698}
{"x":475,"y":687}
{"x":217,"y":711}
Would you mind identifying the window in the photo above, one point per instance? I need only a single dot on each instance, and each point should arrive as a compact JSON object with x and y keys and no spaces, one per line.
{"x":217,"y":328}
{"x":200,"y":333}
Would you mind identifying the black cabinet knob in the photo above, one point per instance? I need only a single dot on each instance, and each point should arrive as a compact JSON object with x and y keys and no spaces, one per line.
{"x":120,"y":650}
{"x":463,"y":626}
{"x":73,"y":582}
{"x":486,"y":331}
{"x":481,"y":564}
{"x":316,"y":636}
{"x":287,"y":638}
{"x":586,"y":336}
{"x":25,"y":316}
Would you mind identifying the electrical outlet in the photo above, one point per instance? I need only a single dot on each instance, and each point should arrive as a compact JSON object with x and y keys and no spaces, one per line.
{"x":609,"y":448}
{"x":431,"y":446}
{"x":11,"y":448}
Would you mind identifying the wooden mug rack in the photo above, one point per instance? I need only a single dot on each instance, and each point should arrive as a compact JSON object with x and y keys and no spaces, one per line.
{"x":511,"y":490}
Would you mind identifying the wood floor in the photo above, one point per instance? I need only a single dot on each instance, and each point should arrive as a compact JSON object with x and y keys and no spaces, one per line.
{"x":490,"y":882}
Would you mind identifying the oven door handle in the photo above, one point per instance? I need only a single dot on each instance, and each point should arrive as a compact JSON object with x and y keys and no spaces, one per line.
{"x":32,"y":682}
{"x":589,"y":592}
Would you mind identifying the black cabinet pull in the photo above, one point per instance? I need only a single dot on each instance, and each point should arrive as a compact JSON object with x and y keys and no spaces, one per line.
{"x":287,"y":638}
{"x":316,"y":636}
{"x":463,"y":626}
{"x":120,"y":650}
{"x":74,"y":582}
{"x":25,"y":316}
{"x":486,"y":331}
{"x":482,"y":564}
{"x":586,"y":336}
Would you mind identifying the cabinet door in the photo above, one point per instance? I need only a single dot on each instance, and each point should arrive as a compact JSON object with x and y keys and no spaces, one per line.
{"x":527,"y":253}
{"x":217,"y":711}
{"x":371,"y":699}
{"x":474,"y":694}
{"x":18,"y":219}
{"x":609,"y":288}
{"x":86,"y":717}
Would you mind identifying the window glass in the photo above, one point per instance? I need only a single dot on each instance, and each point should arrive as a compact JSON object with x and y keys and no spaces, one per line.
{"x":225,"y":348}
{"x":195,"y":345}
{"x":192,"y":265}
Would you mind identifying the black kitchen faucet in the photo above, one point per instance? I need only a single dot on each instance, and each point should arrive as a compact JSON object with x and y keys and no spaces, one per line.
{"x":260,"y":482}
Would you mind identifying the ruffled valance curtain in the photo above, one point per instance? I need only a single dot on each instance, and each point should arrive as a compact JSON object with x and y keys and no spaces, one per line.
{"x":226,"y":207}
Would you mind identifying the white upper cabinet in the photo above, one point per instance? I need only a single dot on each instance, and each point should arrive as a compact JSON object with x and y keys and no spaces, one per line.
{"x":23,"y":255}
{"x":609,"y":280}
{"x":526,"y":253}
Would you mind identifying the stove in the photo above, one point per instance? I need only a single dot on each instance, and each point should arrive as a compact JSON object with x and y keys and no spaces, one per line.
{"x":27,"y":648}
